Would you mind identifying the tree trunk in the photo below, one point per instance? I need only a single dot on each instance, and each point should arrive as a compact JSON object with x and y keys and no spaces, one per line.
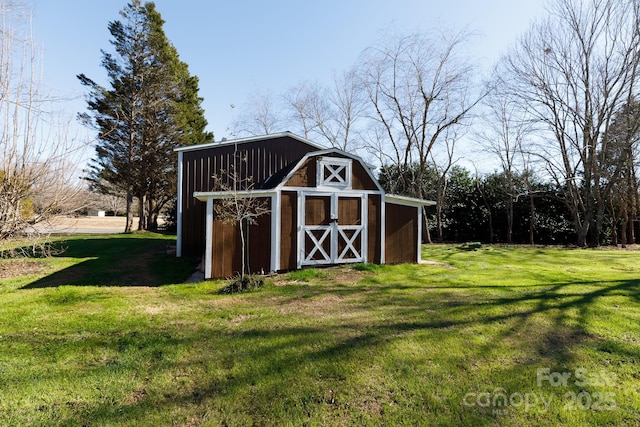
{"x":598,"y":221}
{"x":152,"y":214}
{"x":129,"y":212}
{"x":243,"y":250}
{"x":632,"y":203}
{"x":532,"y":218}
{"x":142,"y":216}
{"x":582,"y":233}
{"x":439,"y":223}
{"x":510,"y":220}
{"x":425,"y":221}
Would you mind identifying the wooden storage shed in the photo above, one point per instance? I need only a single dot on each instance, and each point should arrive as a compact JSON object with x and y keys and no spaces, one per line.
{"x":325,"y":207}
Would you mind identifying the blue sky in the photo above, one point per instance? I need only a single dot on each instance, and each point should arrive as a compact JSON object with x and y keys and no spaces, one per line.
{"x":239,"y":47}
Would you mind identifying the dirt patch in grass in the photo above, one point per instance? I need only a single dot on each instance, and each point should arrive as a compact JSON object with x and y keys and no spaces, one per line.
{"x":154,"y":310}
{"x":18,"y":268}
{"x":437,"y":263}
{"x":335,"y":274}
{"x":347,"y":275}
{"x":137,"y":395}
{"x":313,"y":307}
{"x":325,"y":303}
{"x":241,"y":318}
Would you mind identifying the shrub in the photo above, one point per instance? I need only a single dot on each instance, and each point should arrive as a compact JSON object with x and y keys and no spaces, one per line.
{"x":470,"y":246}
{"x":243,"y":284}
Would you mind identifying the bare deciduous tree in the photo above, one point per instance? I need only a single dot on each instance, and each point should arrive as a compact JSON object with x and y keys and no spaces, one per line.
{"x":329,"y":114}
{"x":38,"y":158}
{"x":442,"y":166}
{"x":503,"y":135}
{"x":349,"y":104}
{"x":239,"y":205}
{"x":419,"y":86}
{"x":572,"y":72}
{"x":307,"y":107}
{"x":260,"y":116}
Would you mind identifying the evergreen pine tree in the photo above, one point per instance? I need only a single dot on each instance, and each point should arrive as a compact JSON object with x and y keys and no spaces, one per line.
{"x":151,"y":107}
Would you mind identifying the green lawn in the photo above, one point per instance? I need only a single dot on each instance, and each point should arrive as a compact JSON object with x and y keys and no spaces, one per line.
{"x":497,"y":336}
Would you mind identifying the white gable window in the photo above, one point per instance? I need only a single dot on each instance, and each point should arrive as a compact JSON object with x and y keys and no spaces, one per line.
{"x":334,"y":172}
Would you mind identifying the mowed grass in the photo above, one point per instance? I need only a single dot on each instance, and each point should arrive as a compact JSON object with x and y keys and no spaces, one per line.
{"x":497,"y":336}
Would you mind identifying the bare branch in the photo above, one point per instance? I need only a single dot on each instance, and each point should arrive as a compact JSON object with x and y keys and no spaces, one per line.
{"x":572,"y":73}
{"x":38,"y":164}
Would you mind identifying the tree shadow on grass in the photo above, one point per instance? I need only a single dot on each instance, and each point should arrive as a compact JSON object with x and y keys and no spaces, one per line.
{"x":121,"y":260}
{"x":225,"y":358}
{"x":330,"y":350}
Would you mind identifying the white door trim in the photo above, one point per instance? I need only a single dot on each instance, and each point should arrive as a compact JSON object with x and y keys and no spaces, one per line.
{"x":334,"y":232}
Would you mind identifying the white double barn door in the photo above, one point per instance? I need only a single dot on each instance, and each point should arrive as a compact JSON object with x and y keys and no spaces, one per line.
{"x":333,"y":229}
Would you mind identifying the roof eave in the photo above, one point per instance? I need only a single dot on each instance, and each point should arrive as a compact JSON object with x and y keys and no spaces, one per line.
{"x":408,"y":201}
{"x":248,"y":140}
{"x":203,"y":196}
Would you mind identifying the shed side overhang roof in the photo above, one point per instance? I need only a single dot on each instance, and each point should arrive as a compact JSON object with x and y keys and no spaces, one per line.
{"x":204,"y":195}
{"x":390,"y":198}
{"x":408,"y":201}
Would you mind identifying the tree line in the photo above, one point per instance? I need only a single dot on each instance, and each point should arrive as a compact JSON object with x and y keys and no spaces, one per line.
{"x":491,"y":208}
{"x":558,"y":115}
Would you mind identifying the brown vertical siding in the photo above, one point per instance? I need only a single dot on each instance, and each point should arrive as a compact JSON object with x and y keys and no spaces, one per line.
{"x":360,"y":178}
{"x":305,"y":176}
{"x":288,"y":230}
{"x":401,"y":223}
{"x":374,"y":229}
{"x":263,"y":159}
{"x":226,"y":257}
{"x":317,"y":210}
{"x":349,"y":210}
{"x":194,"y":211}
{"x":260,"y":245}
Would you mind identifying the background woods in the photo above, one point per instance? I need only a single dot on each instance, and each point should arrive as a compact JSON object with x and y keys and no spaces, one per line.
{"x":542,"y":149}
{"x":557,"y":122}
